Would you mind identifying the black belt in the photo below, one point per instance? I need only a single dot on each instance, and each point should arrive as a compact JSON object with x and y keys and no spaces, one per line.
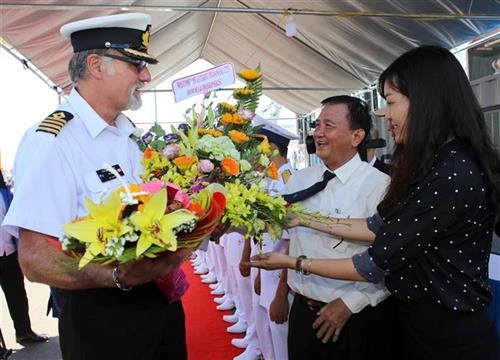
{"x":313,"y":305}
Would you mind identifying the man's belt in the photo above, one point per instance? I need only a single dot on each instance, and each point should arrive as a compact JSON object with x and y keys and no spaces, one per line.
{"x":313,"y":305}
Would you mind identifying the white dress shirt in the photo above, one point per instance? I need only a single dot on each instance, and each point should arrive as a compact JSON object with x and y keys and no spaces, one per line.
{"x":55,"y":174}
{"x":355,"y":192}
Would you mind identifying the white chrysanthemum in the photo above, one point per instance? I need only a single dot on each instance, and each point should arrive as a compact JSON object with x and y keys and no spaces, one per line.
{"x":218,"y":148}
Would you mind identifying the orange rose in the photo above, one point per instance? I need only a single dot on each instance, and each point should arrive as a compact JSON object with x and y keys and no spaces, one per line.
{"x":226,"y":118}
{"x":238,"y":137}
{"x":230,"y":166}
{"x":272,"y":171}
{"x":184,"y":162}
{"x":148,"y":153}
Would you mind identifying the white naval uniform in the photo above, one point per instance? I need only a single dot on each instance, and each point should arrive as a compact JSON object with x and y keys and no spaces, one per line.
{"x":355,"y":192}
{"x":272,"y":336}
{"x":55,"y":174}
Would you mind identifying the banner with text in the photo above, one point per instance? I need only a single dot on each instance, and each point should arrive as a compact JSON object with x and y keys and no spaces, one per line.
{"x":203,"y":82}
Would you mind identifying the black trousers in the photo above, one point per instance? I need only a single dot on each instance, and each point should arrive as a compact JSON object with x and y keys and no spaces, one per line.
{"x":12,"y":282}
{"x":108,"y":324}
{"x":428,"y":331}
{"x":366,"y":335}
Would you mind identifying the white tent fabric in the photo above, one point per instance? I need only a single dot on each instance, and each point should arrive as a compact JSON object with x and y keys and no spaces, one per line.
{"x":338,"y":48}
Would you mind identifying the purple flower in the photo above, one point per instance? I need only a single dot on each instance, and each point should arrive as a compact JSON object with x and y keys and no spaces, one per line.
{"x":205,"y":166}
{"x":183,"y":127}
{"x":171,"y":151}
{"x":171,"y":138}
{"x":147,"y":137}
{"x":197,"y":188}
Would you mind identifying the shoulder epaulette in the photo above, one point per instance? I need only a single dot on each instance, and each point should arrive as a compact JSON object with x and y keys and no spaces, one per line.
{"x":285,"y":175}
{"x":55,"y":122}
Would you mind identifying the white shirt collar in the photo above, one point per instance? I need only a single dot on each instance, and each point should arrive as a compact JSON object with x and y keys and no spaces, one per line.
{"x":94,"y":123}
{"x":345,"y":171}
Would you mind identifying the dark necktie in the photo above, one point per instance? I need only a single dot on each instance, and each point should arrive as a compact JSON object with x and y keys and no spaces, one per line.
{"x":311,"y":190}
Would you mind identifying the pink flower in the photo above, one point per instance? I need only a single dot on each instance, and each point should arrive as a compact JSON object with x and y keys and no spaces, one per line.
{"x":205,"y":166}
{"x":171,"y":151}
{"x":152,"y":186}
{"x":183,"y":199}
{"x":246,"y":114}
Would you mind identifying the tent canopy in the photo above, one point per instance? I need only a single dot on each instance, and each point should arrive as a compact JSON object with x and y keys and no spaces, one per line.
{"x":341,"y":46}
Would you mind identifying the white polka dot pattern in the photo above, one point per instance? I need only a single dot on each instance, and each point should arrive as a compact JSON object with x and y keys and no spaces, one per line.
{"x":436,"y":244}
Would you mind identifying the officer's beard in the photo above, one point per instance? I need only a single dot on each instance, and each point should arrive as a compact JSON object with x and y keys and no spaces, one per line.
{"x":135,"y":101}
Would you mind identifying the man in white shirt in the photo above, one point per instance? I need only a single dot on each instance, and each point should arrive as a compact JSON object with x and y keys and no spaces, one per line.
{"x":109,"y":312}
{"x":333,"y":319}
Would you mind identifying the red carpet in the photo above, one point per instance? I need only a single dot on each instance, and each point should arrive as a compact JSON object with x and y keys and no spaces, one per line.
{"x":206,"y":334}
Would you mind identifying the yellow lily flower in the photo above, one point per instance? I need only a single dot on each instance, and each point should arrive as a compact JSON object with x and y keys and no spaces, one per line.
{"x":157,"y":227}
{"x":102,"y":223}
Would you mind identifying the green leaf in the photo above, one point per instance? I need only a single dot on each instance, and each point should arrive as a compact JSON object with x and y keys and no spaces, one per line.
{"x":157,"y":130}
{"x":158,"y":145}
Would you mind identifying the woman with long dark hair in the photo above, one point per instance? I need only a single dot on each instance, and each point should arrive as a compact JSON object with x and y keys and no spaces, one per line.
{"x":431,"y":237}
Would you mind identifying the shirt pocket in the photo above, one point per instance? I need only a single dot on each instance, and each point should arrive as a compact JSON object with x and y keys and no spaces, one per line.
{"x":97,"y":190}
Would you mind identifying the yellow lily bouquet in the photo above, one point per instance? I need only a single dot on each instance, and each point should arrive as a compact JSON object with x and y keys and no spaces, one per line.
{"x":142,"y":221}
{"x":219,"y":145}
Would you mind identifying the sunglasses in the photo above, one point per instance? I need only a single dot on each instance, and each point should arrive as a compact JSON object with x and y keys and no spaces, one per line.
{"x":139,"y":64}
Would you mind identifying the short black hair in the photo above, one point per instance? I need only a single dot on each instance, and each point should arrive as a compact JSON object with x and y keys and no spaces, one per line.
{"x":358,"y":116}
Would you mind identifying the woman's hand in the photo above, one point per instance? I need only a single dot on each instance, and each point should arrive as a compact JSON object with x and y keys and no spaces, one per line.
{"x":273,"y":260}
{"x":293,"y":219}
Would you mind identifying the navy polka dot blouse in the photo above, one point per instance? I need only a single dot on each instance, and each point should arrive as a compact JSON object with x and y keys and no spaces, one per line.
{"x":436,"y":246}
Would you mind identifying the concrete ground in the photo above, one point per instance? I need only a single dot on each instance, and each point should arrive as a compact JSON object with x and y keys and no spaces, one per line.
{"x":38,"y":295}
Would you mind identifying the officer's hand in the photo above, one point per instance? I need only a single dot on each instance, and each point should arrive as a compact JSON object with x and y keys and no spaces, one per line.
{"x":141,"y":271}
{"x":331,"y":320}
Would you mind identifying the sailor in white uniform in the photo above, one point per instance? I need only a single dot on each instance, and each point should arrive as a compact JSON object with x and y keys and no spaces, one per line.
{"x":270,"y":308}
{"x":59,"y":164}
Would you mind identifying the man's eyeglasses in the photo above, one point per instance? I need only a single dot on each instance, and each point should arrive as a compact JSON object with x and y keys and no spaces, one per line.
{"x":139,"y":64}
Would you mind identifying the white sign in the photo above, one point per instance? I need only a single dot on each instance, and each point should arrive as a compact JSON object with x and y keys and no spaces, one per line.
{"x":203,"y":82}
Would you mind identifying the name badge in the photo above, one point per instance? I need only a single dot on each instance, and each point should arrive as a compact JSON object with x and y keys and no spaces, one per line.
{"x":105,"y":175}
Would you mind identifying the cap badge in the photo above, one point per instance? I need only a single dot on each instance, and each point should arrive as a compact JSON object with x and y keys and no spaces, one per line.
{"x":145,"y":38}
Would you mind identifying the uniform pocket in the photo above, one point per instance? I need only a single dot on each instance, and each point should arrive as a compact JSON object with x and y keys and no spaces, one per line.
{"x":96,"y":189}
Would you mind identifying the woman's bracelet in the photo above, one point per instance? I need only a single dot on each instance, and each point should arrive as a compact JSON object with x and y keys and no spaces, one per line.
{"x":299,"y":265}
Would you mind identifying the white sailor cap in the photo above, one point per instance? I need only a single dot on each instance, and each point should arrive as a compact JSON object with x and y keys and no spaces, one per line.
{"x":127,"y":33}
{"x":275,"y":133}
